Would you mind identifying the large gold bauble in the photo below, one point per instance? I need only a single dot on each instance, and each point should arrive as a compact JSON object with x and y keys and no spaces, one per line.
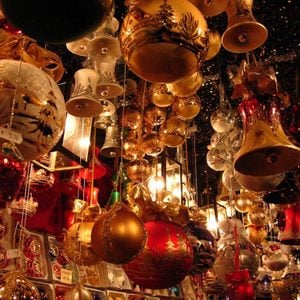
{"x":164,"y":40}
{"x":39,"y":107}
{"x":79,"y":292}
{"x":119,"y":235}
{"x":15,"y":285}
{"x":138,"y":170}
{"x":77,"y":244}
{"x":173,"y":132}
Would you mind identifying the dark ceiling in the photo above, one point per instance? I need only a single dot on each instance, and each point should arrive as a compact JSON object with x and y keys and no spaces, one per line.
{"x":281,"y":50}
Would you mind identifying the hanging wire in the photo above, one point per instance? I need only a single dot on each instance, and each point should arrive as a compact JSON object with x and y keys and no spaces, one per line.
{"x":195,"y":171}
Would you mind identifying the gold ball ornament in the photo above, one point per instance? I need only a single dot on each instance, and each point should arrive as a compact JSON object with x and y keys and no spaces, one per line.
{"x":131,"y":118}
{"x":186,"y":108}
{"x":15,"y":285}
{"x":173,"y":132}
{"x":119,"y":235}
{"x":257,"y":216}
{"x":244,"y":202}
{"x":138,"y":170}
{"x":79,"y":292}
{"x":160,"y":95}
{"x":77,"y":244}
{"x":256,"y":234}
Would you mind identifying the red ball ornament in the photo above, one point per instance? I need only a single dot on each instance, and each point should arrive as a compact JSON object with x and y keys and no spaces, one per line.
{"x":239,"y":287}
{"x":166,"y":258}
{"x":12,"y":175}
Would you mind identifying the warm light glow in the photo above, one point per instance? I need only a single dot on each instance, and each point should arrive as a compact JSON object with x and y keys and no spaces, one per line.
{"x":156,"y":183}
{"x":84,"y":142}
{"x":70,"y":126}
{"x":211,"y":222}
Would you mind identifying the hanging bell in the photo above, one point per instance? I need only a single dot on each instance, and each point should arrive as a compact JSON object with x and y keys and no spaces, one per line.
{"x":104,"y":46}
{"x":266,"y":150}
{"x":83,"y":102}
{"x":107,"y":86}
{"x":112,"y":144}
{"x":243,"y":33}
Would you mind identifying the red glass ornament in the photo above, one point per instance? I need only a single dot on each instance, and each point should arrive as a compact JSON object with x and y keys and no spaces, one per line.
{"x":12,"y":176}
{"x":166,"y":258}
{"x":91,"y":195}
{"x":239,"y":287}
{"x":291,"y":233}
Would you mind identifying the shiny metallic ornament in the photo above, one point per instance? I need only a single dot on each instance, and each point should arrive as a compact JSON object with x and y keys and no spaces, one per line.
{"x":173,"y":132}
{"x":138,"y":170}
{"x":39,"y":111}
{"x":15,"y":285}
{"x":77,"y":244}
{"x":160,"y":95}
{"x":152,"y":144}
{"x":130,"y":118}
{"x":187,"y":85}
{"x":166,"y":258}
{"x":244,"y":201}
{"x":266,"y":149}
{"x":118,"y":235}
{"x":243,"y":33}
{"x":79,"y":292}
{"x":150,"y":44}
{"x":256,"y":234}
{"x":257,"y":216}
{"x":154,"y":115}
{"x":186,"y":108}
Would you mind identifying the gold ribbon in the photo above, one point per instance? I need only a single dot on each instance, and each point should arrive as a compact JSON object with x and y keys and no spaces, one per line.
{"x":21,"y":47}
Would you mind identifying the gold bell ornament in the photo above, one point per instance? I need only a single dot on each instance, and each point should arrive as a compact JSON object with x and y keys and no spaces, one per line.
{"x":266,"y":150}
{"x":243,"y":33}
